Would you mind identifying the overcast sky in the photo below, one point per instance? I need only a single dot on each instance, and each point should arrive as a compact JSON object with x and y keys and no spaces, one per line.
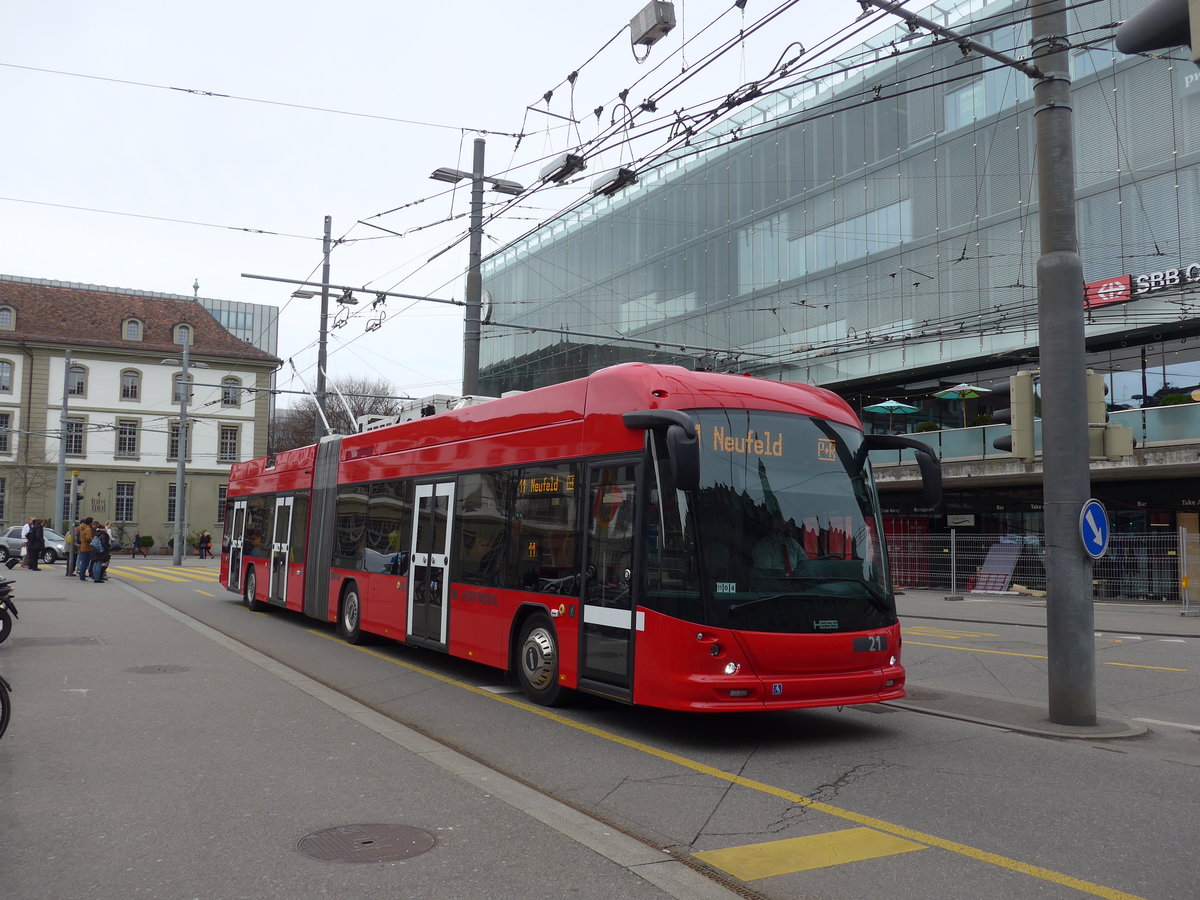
{"x":112,"y":175}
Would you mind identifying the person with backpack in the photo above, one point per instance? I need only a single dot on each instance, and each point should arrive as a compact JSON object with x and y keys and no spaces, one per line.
{"x":35,"y":545}
{"x":84,"y":563}
{"x":101,"y":552}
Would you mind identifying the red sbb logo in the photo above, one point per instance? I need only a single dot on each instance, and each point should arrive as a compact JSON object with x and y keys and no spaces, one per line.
{"x":1107,"y":292}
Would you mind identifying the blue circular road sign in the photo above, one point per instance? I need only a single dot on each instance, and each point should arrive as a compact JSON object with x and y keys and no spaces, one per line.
{"x":1093,"y":528}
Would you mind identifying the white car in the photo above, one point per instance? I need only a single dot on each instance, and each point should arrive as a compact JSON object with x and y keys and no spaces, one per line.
{"x":11,"y":544}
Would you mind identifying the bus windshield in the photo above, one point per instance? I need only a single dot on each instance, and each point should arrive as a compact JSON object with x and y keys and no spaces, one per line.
{"x":788,"y":526}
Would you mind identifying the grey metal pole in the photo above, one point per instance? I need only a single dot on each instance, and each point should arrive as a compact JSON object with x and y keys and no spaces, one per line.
{"x":319,"y":425}
{"x":1066,"y":482}
{"x":63,"y":527}
{"x":474,"y":294}
{"x":185,"y":388}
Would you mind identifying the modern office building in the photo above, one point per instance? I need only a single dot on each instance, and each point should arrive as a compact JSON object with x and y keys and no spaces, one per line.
{"x":872,"y":227}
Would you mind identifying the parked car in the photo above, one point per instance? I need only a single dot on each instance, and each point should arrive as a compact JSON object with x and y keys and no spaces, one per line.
{"x":10,"y":544}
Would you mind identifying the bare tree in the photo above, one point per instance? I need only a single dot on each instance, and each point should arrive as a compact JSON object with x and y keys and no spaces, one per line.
{"x":296,"y":425}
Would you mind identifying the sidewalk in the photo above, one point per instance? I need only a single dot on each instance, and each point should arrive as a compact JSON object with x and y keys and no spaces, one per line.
{"x":148,"y":755}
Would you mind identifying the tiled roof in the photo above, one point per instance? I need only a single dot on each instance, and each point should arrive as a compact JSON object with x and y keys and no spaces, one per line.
{"x":90,"y":317}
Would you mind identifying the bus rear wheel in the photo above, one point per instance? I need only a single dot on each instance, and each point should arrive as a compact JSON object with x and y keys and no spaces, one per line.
{"x":350,"y":616}
{"x":537,"y":661}
{"x":252,"y":602}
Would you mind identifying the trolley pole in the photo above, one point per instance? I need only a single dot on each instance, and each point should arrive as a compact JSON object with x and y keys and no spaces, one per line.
{"x":1066,"y":477}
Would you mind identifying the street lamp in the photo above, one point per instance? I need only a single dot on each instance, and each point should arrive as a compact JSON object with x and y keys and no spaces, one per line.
{"x":185,"y":337}
{"x":474,"y":293}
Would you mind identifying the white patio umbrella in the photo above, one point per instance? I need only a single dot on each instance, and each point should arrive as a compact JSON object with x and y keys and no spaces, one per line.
{"x":962,"y":392}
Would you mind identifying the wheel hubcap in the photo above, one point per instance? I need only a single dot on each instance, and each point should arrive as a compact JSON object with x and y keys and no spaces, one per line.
{"x":350,"y":618}
{"x":537,"y":658}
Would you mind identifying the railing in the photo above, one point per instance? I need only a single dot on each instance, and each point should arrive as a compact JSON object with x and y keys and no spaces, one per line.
{"x":1155,"y":425}
{"x":1138,"y":568}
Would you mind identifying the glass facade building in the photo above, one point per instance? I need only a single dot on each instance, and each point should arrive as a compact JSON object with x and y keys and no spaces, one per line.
{"x":872,"y":228}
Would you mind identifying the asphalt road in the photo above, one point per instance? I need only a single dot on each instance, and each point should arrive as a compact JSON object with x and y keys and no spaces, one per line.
{"x":840,"y":804}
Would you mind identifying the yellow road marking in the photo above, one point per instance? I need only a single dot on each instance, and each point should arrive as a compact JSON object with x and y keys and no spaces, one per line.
{"x":1036,"y":656}
{"x":1154,"y":668}
{"x":976,"y":650}
{"x":902,"y":831}
{"x":930,"y":631}
{"x":204,"y":593}
{"x":817,"y":851}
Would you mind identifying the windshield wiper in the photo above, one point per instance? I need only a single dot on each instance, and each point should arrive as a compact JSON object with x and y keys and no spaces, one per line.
{"x":875,"y":595}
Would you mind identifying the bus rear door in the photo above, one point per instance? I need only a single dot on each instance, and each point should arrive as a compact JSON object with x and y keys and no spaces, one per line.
{"x":609,"y":623}
{"x":237,"y":529}
{"x":428,"y":584}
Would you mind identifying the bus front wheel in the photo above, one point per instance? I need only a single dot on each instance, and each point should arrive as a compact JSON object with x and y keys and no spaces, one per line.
{"x":537,"y":663}
{"x":350,"y":616}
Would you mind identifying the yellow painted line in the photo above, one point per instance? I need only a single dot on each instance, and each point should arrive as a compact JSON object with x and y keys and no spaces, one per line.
{"x":975,"y":650}
{"x":928,"y":631}
{"x":1154,"y":668}
{"x":1036,"y":656}
{"x":130,"y":575}
{"x":995,"y":859}
{"x":818,"y":851}
{"x":204,"y":593}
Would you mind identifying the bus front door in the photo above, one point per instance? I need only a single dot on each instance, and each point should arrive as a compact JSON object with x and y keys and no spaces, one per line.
{"x":609,"y":580}
{"x":280,"y":548}
{"x":236,"y":537}
{"x":428,"y":582}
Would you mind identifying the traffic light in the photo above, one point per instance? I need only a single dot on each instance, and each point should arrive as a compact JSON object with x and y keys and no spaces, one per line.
{"x":1019,"y":413}
{"x":1162,"y":24}
{"x":1106,"y":439}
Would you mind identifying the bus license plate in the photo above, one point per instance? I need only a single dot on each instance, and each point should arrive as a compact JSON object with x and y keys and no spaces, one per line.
{"x":871,"y":644}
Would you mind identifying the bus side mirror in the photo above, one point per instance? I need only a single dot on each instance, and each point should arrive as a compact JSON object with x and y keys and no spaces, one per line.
{"x":930,"y":466}
{"x":683,"y":445}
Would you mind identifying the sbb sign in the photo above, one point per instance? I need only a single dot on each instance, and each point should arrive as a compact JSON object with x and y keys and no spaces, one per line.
{"x":1168,"y":278}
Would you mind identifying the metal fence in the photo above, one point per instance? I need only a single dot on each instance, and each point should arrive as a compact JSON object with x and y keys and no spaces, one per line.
{"x":1138,"y":568}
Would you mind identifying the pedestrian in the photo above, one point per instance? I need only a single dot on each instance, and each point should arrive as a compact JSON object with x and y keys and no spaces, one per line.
{"x":136,"y":547}
{"x":101,"y":551}
{"x":35,"y":544}
{"x":84,"y":563}
{"x":25,"y":542}
{"x":205,"y":545}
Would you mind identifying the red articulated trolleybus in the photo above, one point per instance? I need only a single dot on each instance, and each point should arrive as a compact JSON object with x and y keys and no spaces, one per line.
{"x":677,"y":539}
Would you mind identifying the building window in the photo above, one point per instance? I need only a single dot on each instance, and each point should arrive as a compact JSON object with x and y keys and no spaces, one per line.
{"x":77,"y":381}
{"x":6,"y":376}
{"x":173,"y":441}
{"x":222,"y":498}
{"x":171,"y":500}
{"x":965,"y":105}
{"x":177,"y":393}
{"x":127,"y":437}
{"x":183,"y":334}
{"x":133,"y":330}
{"x":131,"y":384}
{"x":5,"y":418}
{"x":231,"y":394}
{"x":227,"y":448}
{"x":8,"y":318}
{"x":75,"y":436}
{"x":124,"y":502}
{"x":3,"y":491}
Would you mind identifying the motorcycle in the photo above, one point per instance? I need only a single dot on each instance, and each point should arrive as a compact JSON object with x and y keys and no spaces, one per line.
{"x":8,"y":609}
{"x":5,"y":704}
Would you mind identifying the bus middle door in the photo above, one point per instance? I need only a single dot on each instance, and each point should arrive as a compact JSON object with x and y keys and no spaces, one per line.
{"x":236,"y":537}
{"x":429,"y":582}
{"x":606,"y":655}
{"x":280,"y":548}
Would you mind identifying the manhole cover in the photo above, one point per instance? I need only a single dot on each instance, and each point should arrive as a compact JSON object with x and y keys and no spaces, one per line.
{"x":157,"y":670}
{"x":366,"y":843}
